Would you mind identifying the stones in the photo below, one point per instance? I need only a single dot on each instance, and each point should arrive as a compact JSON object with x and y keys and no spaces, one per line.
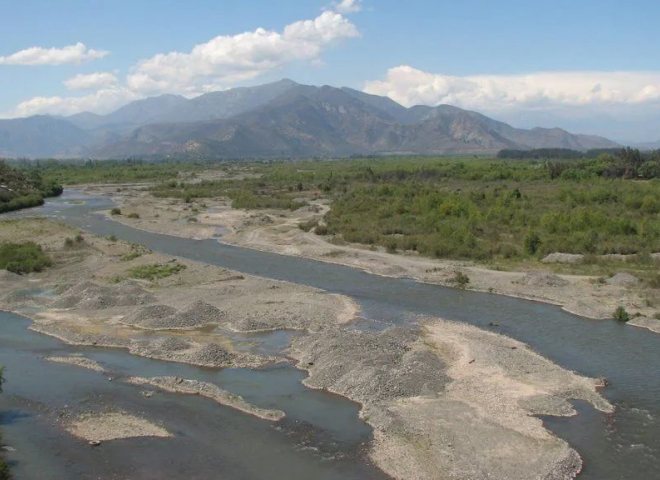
{"x":558,"y":257}
{"x":623,"y":279}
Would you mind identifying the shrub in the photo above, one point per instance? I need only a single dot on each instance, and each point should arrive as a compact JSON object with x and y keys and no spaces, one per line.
{"x":532,"y":243}
{"x":155,"y":271}
{"x":460,"y":279}
{"x":133,"y":215}
{"x":621,"y":315}
{"x":23,"y":257}
{"x":115,"y":211}
{"x":112,"y":238}
{"x":391,"y":245}
{"x":321,"y":230}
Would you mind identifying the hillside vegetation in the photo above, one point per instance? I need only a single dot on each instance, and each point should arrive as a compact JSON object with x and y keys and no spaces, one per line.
{"x":21,"y":189}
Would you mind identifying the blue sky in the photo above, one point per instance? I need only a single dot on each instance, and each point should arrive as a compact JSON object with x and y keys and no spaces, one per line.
{"x":587,"y":65}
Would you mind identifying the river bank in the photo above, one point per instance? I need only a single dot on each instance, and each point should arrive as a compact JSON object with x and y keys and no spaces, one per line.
{"x":277,"y":231}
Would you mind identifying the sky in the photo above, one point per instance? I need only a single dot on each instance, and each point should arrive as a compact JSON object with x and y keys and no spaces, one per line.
{"x":590,"y":66}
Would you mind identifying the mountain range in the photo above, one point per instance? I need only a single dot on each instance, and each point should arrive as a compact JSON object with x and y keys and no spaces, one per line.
{"x":275,"y":120}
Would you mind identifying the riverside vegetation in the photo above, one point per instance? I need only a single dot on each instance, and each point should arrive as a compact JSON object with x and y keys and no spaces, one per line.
{"x":477,"y":209}
{"x":24,"y":189}
{"x":494,"y":210}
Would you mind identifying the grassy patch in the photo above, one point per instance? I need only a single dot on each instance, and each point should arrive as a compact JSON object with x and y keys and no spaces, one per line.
{"x":156,"y":271}
{"x":23,"y":257}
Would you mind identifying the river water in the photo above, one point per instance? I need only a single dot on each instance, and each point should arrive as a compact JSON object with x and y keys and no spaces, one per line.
{"x":625,"y":445}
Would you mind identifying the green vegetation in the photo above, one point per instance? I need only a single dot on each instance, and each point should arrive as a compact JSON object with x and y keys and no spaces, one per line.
{"x":460,"y":279}
{"x":621,"y":315}
{"x":251,"y":194}
{"x":73,"y":172}
{"x":136,"y":251}
{"x":115,"y":211}
{"x":496,"y":210}
{"x":484,"y":209}
{"x":608,"y":163}
{"x":77,"y":241}
{"x":19,"y":189}
{"x":23,"y":257}
{"x":133,"y":215}
{"x":156,"y":271}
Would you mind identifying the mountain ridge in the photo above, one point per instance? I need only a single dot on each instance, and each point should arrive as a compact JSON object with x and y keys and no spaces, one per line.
{"x":279,"y":119}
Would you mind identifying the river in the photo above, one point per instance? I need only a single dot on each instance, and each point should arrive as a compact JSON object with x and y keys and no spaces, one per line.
{"x":624,"y":445}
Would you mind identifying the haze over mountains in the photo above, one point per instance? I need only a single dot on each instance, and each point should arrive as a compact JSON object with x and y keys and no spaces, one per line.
{"x":281,"y":119}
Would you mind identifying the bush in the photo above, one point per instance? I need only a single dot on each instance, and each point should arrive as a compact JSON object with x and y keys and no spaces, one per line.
{"x":532,"y":243}
{"x":75,"y":241}
{"x":321,"y":230}
{"x":115,"y":211}
{"x":23,"y":257}
{"x":621,"y":315}
{"x":460,"y":279}
{"x":133,"y":215}
{"x":155,"y":271}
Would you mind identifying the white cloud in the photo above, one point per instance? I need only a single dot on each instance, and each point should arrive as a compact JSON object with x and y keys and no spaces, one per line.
{"x":228,"y":59}
{"x":74,"y":54}
{"x":544,"y":90}
{"x":91,"y":81}
{"x":102,"y":101}
{"x":220,"y":63}
{"x":347,"y":6}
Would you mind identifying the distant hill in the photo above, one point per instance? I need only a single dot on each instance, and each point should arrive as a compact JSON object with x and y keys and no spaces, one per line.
{"x":284,"y":119}
{"x":41,"y":136}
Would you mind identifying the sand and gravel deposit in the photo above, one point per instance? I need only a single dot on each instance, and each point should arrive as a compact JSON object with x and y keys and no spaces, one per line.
{"x":209,"y":390}
{"x":103,"y":427}
{"x":451,"y":398}
{"x":78,"y":361}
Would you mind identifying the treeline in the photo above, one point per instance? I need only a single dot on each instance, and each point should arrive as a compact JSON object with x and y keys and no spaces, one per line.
{"x":554,"y":153}
{"x":24,"y":189}
{"x":629,"y":163}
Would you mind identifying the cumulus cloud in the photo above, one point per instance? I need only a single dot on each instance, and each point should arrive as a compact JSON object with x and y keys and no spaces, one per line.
{"x":91,"y":81}
{"x":71,"y":54}
{"x":347,"y":6}
{"x":545,"y":90}
{"x":101,"y":101}
{"x":228,"y":59}
{"x":220,"y":63}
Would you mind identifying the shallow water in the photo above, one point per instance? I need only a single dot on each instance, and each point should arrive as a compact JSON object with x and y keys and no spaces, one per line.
{"x":625,"y":445}
{"x":321,"y":437}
